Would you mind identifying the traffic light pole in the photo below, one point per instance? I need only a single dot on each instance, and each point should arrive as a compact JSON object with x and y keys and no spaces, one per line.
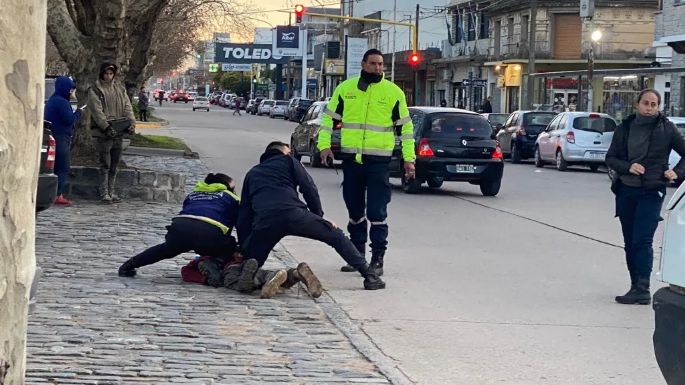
{"x":304,"y":64}
{"x":416,"y":73}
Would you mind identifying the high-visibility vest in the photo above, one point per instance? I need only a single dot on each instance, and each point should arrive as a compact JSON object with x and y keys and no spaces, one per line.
{"x":368,"y":120}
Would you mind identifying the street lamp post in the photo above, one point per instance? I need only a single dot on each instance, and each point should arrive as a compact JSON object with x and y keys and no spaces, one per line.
{"x":594,"y":38}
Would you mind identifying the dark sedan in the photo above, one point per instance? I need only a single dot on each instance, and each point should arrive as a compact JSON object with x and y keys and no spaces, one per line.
{"x":306,"y":135}
{"x":517,"y":137}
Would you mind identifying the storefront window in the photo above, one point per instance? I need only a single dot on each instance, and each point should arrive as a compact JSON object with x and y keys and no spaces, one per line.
{"x":561,"y":93}
{"x":619,"y":94}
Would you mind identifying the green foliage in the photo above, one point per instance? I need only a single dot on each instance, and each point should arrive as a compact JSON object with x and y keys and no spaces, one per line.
{"x":158,"y":141}
{"x":236,"y":82}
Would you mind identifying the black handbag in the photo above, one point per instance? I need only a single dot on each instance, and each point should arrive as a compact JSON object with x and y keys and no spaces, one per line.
{"x":121,"y":126}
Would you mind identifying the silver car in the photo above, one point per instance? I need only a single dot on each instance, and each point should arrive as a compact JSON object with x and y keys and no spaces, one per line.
{"x":278,"y":109}
{"x":575,"y":138}
{"x":265,"y":107}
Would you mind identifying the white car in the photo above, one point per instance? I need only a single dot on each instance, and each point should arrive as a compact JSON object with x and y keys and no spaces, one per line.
{"x":201,"y":103}
{"x":680,"y":124}
{"x":265,"y":107}
{"x":575,"y":138}
{"x":192,"y":95}
{"x":278,"y":109}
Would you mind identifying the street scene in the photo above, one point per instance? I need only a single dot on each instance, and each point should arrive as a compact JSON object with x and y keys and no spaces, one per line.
{"x":455,"y":192}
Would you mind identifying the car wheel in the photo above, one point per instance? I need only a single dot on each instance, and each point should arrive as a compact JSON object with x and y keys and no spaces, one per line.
{"x":293,"y":151}
{"x":314,"y":156}
{"x":594,"y":167}
{"x":193,"y":110}
{"x":412,"y":186}
{"x":490,"y":188}
{"x":562,"y":165}
{"x":434,"y":182}
{"x":515,"y":154}
{"x":538,"y":158}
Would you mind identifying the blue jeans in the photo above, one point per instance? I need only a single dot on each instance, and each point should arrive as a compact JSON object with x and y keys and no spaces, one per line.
{"x":367,"y":192}
{"x":62,"y":161}
{"x":639,"y":211}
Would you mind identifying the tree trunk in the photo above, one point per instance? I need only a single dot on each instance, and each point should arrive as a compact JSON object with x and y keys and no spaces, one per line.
{"x":22,"y":67}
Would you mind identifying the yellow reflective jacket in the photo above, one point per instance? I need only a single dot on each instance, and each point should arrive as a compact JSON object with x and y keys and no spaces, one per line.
{"x":369,"y":114}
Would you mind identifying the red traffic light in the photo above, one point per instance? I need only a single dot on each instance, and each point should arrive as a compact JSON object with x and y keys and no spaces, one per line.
{"x":414,"y":59}
{"x":299,"y":9}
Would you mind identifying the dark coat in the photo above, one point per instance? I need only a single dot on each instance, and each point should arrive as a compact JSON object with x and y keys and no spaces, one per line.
{"x":270,"y":191}
{"x":143,"y":101}
{"x":58,"y":108}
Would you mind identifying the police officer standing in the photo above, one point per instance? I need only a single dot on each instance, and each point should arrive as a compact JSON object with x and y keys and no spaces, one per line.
{"x":372,"y":111}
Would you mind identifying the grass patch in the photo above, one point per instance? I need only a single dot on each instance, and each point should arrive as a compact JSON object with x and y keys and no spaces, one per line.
{"x":158,"y":141}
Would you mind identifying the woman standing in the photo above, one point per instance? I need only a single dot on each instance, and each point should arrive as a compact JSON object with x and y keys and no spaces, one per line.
{"x":143,"y":102}
{"x":639,"y":155}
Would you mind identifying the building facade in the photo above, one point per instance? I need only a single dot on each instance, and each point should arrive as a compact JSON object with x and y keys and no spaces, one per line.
{"x":670,"y":51}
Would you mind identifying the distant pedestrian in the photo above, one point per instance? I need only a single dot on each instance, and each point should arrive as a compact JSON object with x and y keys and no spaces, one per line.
{"x":58,"y":111}
{"x":443,"y":103}
{"x":111,"y":118}
{"x":143,"y":101}
{"x":204,"y":225}
{"x":271,"y":209}
{"x":487,"y":107}
{"x":639,"y":155}
{"x":237,"y":107}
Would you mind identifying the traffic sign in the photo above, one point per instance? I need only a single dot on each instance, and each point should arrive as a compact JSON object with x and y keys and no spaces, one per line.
{"x":213,"y":67}
{"x":231,"y":67}
{"x":475,"y":82}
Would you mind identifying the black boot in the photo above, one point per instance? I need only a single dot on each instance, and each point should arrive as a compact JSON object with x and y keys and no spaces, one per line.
{"x":637,"y":295}
{"x":211,"y":271}
{"x":245,"y":282}
{"x":371,"y":280}
{"x":377,"y":261}
{"x":127,"y":269}
{"x":361,"y":248}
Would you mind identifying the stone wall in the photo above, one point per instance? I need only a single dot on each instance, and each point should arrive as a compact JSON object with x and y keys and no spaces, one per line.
{"x":133,"y":184}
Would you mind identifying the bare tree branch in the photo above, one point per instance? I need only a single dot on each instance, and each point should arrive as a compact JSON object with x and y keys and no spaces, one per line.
{"x":64,"y":34}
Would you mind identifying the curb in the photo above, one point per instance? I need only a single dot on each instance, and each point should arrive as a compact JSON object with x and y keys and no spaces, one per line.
{"x":357,"y":337}
{"x":152,"y":151}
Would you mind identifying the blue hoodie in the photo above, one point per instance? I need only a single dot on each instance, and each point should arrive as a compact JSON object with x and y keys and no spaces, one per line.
{"x":58,"y":109}
{"x":212,"y":203}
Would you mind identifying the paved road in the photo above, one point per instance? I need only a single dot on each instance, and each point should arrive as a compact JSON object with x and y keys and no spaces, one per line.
{"x":516,"y":289}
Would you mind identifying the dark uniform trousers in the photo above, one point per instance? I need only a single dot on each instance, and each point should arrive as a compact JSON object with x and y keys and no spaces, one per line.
{"x":184,"y":235}
{"x":299,"y":223}
{"x":367,"y":191}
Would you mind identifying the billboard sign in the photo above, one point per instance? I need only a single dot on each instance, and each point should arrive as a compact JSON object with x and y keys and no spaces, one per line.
{"x":230,"y":67}
{"x":356,"y":47}
{"x":286,"y":40}
{"x":246,"y":54}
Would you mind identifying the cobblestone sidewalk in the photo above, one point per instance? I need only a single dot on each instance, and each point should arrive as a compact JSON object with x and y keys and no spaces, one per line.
{"x":92,"y":327}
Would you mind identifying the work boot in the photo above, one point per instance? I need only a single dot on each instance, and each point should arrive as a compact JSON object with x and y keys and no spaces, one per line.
{"x":110,"y":185}
{"x":104,"y":189}
{"x":637,"y":295}
{"x":377,"y":261}
{"x":210,"y":270}
{"x":371,"y":279}
{"x":245,"y":282}
{"x":361,"y":247}
{"x":273,"y":284}
{"x":127,"y":269}
{"x":306,"y":275}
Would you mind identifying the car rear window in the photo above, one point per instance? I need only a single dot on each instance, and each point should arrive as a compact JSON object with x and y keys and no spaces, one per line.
{"x":456,"y":125}
{"x":598,"y":124}
{"x":201,"y":99}
{"x":498,"y":118}
{"x":281,"y":103}
{"x":537,"y":119}
{"x":304,"y":103}
{"x":268,"y":102}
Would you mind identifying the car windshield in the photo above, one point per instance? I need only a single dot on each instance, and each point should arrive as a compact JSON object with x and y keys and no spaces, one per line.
{"x":281,"y":103}
{"x":594,"y":124}
{"x":498,"y":118}
{"x":449,"y":125}
{"x":269,"y":103}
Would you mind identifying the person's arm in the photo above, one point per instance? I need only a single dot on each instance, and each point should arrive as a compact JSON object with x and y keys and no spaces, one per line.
{"x":67,"y":116}
{"x":245,"y":213}
{"x":332,"y":115}
{"x":97,"y":113}
{"x":307,"y":188}
{"x":678,"y":144}
{"x":619,"y":165}
{"x":407,"y":127}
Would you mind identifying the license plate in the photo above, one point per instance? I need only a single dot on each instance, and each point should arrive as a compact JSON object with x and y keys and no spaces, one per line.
{"x":463,"y":168}
{"x":597,"y":155}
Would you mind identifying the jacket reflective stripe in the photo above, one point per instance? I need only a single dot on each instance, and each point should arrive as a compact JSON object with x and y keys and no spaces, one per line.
{"x":369,"y":127}
{"x":366,"y":151}
{"x":332,"y":114}
{"x":361,"y":220}
{"x":405,"y":137}
{"x":378,"y":223}
{"x":327,"y":129}
{"x":403,"y":121}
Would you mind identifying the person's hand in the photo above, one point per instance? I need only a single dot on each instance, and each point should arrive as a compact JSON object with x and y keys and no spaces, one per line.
{"x":637,"y":169}
{"x":332,"y":224}
{"x":132,"y":129}
{"x":670,"y":175}
{"x":109,"y":132}
{"x":409,"y":170}
{"x":325,"y":156}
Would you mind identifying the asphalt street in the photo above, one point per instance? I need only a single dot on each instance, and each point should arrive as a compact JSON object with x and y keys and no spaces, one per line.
{"x":513,"y":289}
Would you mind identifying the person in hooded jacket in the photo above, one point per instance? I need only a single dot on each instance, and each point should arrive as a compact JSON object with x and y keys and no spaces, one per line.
{"x":58,"y":111}
{"x":107,"y":103}
{"x":639,"y":154}
{"x":204,"y":225}
{"x":271,"y":209}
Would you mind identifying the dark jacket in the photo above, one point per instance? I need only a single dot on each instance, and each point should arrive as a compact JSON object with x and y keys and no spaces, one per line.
{"x":664,"y":138}
{"x":487,"y":107}
{"x":270,"y":191}
{"x":58,"y":109}
{"x":212,"y":203}
{"x":143,"y":101}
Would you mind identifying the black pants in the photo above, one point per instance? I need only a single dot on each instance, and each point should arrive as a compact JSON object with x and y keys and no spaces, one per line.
{"x":367,"y":192}
{"x":143,"y":115}
{"x":109,"y":154}
{"x":639,"y":210}
{"x":300,"y":223}
{"x":184,"y":235}
{"x":62,"y":161}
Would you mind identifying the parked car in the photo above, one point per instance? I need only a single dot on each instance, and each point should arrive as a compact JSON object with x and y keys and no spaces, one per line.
{"x":252,"y":108}
{"x":155,"y":94}
{"x":571,"y":138}
{"x":201,"y":103}
{"x":306,"y":135}
{"x":517,"y":137}
{"x":265,"y":107}
{"x":180,"y":96}
{"x":278,"y":109}
{"x":47,"y":180}
{"x":496,"y":120}
{"x":451,"y":145}
{"x":297,"y":110}
{"x":192,"y":95}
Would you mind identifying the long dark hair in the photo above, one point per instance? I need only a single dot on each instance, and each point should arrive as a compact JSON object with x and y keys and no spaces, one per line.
{"x":220,"y":178}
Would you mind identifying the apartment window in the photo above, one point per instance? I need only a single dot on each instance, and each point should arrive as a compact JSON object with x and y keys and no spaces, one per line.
{"x":497,"y":38}
{"x":525,"y":22}
{"x":484,"y":27}
{"x":459,"y":28}
{"x":471,"y":27}
{"x":510,"y":30}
